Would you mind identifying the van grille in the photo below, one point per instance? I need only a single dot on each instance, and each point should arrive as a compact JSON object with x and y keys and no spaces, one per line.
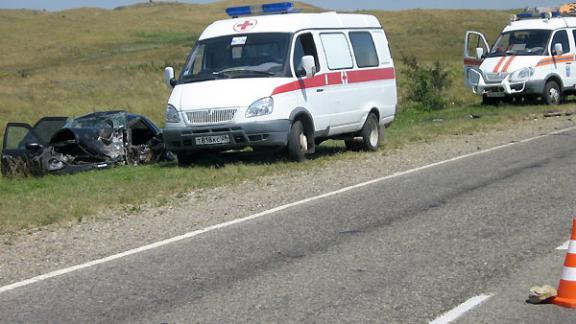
{"x":496,"y":77}
{"x":211,"y":116}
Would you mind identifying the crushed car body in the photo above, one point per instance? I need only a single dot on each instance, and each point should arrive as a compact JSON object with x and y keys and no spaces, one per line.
{"x":59,"y":145}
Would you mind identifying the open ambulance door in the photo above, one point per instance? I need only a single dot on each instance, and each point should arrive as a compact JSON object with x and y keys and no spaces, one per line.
{"x":475,"y":49}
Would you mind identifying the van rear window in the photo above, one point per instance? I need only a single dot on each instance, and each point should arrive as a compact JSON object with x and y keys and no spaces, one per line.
{"x":364,"y":49}
{"x":337,"y":51}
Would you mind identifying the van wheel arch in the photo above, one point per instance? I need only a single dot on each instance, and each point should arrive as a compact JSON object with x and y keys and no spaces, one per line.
{"x":551,"y":82}
{"x":304,"y":116}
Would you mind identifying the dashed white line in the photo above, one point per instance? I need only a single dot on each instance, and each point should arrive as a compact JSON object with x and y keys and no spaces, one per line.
{"x":461,"y":309}
{"x":264,"y":213}
{"x":564,"y":246}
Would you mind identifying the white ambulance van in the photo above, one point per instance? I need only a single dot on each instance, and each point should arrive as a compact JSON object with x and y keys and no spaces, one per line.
{"x":282,"y":81}
{"x":533,"y":57}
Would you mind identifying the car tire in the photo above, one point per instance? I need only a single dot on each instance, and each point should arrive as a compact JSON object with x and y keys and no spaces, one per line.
{"x":552,"y":93}
{"x":370,"y":134}
{"x":297,"y":142}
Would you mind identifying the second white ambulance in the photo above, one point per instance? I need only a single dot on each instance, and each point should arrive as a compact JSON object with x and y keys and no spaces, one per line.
{"x":533,"y":57}
{"x":282,"y":81}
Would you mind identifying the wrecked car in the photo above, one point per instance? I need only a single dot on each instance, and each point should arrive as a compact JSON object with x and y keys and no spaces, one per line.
{"x":59,"y":145}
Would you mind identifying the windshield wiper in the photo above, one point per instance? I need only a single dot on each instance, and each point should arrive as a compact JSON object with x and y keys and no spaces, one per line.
{"x":203,"y":77}
{"x":240,"y":71}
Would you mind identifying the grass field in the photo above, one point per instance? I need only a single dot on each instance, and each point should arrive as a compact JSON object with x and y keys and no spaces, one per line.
{"x":76,"y":61}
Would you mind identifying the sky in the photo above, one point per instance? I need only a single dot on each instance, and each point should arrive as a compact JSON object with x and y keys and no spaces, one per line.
{"x":54,"y":5}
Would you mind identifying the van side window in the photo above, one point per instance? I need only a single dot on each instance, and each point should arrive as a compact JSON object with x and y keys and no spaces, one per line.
{"x":337,"y":51}
{"x":562,"y":38}
{"x":303,"y":46}
{"x":364,"y":49}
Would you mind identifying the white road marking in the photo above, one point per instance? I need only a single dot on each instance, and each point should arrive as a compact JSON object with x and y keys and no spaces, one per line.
{"x":264,"y":213}
{"x":564,"y":246}
{"x":460,"y":310}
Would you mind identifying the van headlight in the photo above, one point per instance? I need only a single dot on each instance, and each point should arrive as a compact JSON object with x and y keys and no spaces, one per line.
{"x":261,"y":107}
{"x":473,"y":76}
{"x":522,"y":75}
{"x":172,"y":115}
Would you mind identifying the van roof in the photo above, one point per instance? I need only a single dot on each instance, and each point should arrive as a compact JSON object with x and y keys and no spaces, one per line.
{"x":542,"y":23}
{"x":288,"y":23}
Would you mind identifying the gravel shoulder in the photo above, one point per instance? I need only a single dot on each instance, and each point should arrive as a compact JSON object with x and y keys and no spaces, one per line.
{"x":33,"y":252}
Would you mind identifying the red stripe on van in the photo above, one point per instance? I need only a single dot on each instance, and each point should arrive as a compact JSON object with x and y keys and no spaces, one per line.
{"x":505,"y":68}
{"x":335,"y":78}
{"x":371,"y":75}
{"x":497,"y":67}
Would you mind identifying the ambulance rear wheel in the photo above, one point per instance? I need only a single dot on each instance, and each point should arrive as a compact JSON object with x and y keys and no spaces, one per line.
{"x":552,"y":93}
{"x":370,"y":134}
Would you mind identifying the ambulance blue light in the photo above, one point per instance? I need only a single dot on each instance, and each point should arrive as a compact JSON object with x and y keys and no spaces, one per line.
{"x":553,"y":14}
{"x":280,"y":7}
{"x":239,"y":11}
{"x":525,"y":15}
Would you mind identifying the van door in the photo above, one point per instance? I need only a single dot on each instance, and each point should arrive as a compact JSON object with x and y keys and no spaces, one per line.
{"x":313,"y":97}
{"x":367,"y":94}
{"x":341,"y":99}
{"x":563,"y":61}
{"x":474,"y":42}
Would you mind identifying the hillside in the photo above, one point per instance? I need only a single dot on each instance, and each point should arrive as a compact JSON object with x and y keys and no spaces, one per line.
{"x":74,"y":61}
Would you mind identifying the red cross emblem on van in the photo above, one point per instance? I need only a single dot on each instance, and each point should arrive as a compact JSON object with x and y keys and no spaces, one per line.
{"x":245,"y":25}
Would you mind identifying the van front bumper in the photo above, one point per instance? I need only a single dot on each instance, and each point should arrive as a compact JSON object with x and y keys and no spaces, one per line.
{"x":255,"y":134}
{"x":506,"y":88}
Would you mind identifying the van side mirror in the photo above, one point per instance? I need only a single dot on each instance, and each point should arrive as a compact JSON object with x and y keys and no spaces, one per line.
{"x":309,"y":65}
{"x":558,"y":49}
{"x":479,"y":53}
{"x":169,"y":79}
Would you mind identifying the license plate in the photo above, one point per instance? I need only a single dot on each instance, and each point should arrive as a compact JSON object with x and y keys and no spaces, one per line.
{"x":209,"y":140}
{"x":496,"y":94}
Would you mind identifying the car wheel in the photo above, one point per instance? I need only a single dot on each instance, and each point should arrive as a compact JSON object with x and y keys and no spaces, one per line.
{"x":297,"y":142}
{"x":552,"y":93}
{"x":370,"y":134}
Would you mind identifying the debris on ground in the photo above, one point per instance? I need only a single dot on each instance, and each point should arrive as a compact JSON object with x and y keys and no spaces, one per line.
{"x":557,"y":113}
{"x":542,"y":295}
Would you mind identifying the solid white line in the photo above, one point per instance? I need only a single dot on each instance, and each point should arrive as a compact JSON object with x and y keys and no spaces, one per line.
{"x":264,"y":213}
{"x":461,"y":309}
{"x":564,"y":246}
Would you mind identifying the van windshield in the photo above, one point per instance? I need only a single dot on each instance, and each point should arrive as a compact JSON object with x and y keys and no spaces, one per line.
{"x":521,"y":42}
{"x":238,"y":56}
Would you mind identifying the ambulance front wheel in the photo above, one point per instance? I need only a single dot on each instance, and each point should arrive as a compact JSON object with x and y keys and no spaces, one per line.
{"x":552,"y":93}
{"x":297,"y":142}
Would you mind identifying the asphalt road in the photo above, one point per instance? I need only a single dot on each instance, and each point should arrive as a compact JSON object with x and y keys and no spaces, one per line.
{"x":403,"y":250}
